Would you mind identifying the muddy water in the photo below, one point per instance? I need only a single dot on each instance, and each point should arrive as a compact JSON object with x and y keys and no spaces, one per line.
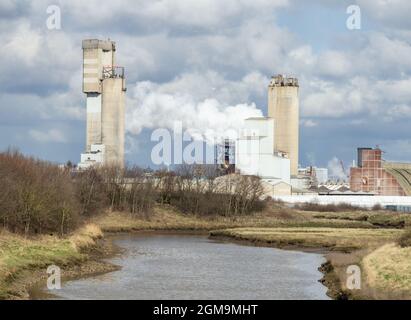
{"x":195,"y":267}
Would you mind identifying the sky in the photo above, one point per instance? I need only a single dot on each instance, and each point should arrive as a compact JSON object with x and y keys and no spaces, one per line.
{"x":208,"y":63}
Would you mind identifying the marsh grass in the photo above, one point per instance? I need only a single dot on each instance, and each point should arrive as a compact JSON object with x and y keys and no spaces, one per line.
{"x":405,"y":239}
{"x":389,"y":268}
{"x":18,"y":254}
{"x":335,"y":238}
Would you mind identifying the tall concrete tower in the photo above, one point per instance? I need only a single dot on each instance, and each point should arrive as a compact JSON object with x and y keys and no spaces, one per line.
{"x":283,"y":106}
{"x":104,"y":85}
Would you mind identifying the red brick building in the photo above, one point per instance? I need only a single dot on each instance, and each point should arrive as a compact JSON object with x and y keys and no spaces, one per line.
{"x":377,"y":176}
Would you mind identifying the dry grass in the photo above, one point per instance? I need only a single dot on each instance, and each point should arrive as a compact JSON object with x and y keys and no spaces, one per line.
{"x":341,"y":207}
{"x":389,"y":268}
{"x":85,"y":237}
{"x":335,"y":238}
{"x":18,"y":254}
{"x":167,"y":218}
{"x":405,"y":239}
{"x":375,"y":218}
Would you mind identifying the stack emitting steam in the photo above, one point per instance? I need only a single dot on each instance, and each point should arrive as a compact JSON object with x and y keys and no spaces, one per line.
{"x":104,"y":85}
{"x":283,"y":106}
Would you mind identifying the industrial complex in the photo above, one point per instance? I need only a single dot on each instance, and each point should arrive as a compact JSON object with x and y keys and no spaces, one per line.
{"x":267,"y":147}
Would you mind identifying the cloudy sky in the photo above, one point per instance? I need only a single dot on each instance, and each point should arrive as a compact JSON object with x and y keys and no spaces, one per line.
{"x":202,"y":62}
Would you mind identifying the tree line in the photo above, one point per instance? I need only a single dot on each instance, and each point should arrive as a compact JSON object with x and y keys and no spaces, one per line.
{"x":40,"y":197}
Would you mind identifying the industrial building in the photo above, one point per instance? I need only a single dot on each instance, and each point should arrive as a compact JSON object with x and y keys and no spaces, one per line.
{"x":376,"y":176}
{"x":283,"y":106}
{"x":255,"y":155}
{"x":268,"y":146}
{"x":104,"y":86}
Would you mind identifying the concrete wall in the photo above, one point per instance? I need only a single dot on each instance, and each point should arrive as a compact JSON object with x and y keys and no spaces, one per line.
{"x":363,"y":201}
{"x":96,"y":55}
{"x":113,"y":109}
{"x":283,"y":106}
{"x":93,"y":134}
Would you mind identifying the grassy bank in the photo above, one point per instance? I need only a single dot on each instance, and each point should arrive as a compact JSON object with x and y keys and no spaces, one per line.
{"x":341,"y":239}
{"x":388,"y":268}
{"x":168,"y":218}
{"x":21,"y":256}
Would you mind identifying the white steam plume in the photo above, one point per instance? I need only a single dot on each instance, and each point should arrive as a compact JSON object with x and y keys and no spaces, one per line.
{"x":335,"y":169}
{"x":151,"y":107}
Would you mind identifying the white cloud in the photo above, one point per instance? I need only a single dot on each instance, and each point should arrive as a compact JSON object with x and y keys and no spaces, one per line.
{"x":52,"y":135}
{"x":334,"y":64}
{"x":392,"y":13}
{"x":23,"y":43}
{"x":199,"y":13}
{"x":308,"y":123}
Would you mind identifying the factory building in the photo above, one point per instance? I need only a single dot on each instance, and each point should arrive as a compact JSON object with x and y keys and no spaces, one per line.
{"x":255,"y":155}
{"x":379,"y":177}
{"x":104,"y":86}
{"x":283,"y":106}
{"x":268,"y":146}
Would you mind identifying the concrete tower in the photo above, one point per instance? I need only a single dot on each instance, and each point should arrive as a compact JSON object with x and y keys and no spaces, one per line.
{"x":283,"y":106}
{"x":104,"y":85}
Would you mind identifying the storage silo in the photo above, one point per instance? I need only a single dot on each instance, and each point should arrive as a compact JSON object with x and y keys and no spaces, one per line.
{"x":283,"y":106}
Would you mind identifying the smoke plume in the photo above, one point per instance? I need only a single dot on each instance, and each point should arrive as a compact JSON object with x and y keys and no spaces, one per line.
{"x":150,"y":106}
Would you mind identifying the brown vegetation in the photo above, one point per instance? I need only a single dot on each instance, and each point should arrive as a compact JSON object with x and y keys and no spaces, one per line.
{"x":341,"y":207}
{"x":405,"y":239}
{"x":39,"y":197}
{"x":36,"y":196}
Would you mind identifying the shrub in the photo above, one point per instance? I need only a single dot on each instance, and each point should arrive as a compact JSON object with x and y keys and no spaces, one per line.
{"x":36,"y":196}
{"x":311,"y":206}
{"x":377,"y":207}
{"x":405,"y":239}
{"x":198,"y":190}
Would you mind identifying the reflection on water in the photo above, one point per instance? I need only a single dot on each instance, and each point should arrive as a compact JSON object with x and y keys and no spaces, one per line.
{"x":194,"y":267}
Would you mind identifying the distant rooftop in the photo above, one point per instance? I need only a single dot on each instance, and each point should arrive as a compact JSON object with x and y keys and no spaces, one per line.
{"x":401,"y":172}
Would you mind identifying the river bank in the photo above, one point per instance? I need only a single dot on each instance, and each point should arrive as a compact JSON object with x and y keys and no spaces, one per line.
{"x":385,"y":267}
{"x":24,"y":261}
{"x":340,"y":236}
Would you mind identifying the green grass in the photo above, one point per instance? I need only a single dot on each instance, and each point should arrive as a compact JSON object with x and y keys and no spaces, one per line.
{"x":18,"y":254}
{"x":389,"y":268}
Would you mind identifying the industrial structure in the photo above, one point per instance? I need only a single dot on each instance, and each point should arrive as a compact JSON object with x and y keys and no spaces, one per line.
{"x":379,"y":177}
{"x":268,"y":146}
{"x":283,"y":106}
{"x":225,"y":156}
{"x":104,"y":85}
{"x":255,"y":155}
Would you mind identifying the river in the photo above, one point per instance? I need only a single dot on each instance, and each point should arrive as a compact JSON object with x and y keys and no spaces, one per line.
{"x":166,"y":266}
